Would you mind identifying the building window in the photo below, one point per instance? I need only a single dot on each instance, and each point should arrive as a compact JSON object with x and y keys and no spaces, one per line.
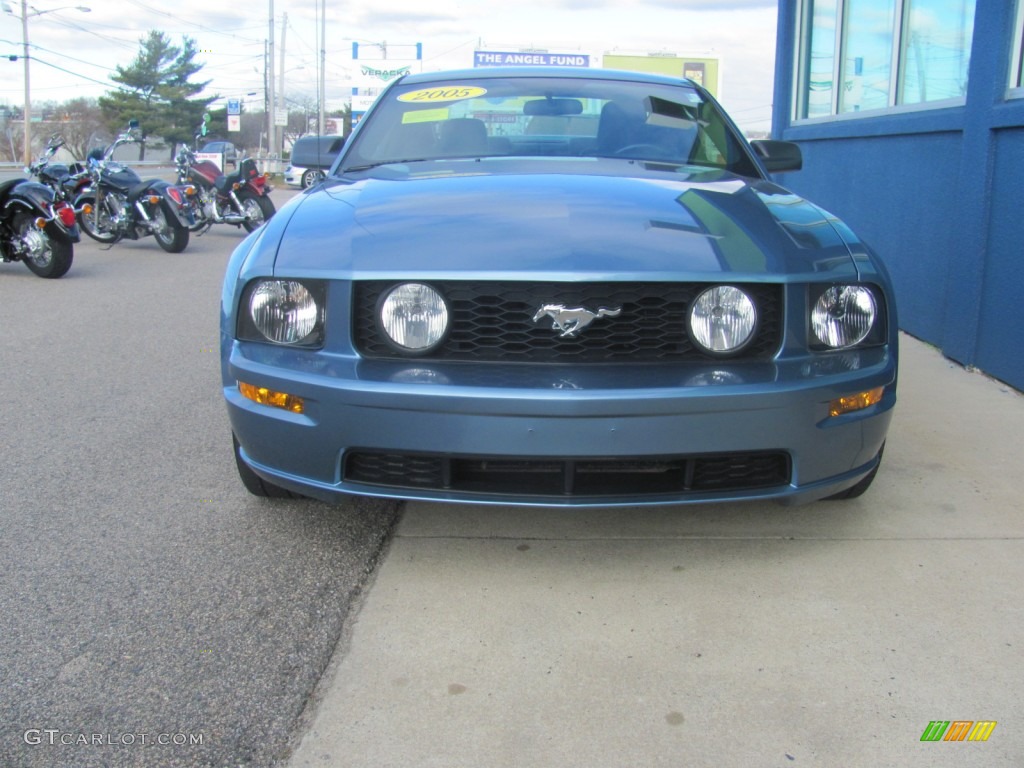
{"x":882,"y":53}
{"x":819,"y":78}
{"x":1017,"y":64}
{"x":866,"y":67}
{"x":936,"y":50}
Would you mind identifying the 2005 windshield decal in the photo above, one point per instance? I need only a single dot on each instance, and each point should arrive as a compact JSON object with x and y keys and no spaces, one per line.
{"x":445,"y":93}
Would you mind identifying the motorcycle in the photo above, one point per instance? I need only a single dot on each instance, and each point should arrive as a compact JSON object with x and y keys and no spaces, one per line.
{"x":122,"y":205}
{"x":66,"y":181}
{"x":36,"y":228}
{"x":240,"y":198}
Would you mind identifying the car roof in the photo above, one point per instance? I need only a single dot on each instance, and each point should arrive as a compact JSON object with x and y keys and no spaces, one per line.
{"x":573,"y":73}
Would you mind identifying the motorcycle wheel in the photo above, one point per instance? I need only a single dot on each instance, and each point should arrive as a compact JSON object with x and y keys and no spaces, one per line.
{"x":169,"y":234}
{"x":257,"y":210}
{"x":99,"y":224}
{"x":46,"y":257}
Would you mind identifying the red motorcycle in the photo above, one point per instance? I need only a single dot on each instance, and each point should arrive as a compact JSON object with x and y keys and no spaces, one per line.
{"x":240,"y":198}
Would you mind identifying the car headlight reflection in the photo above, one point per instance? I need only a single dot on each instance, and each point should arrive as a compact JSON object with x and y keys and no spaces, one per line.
{"x":414,"y":316}
{"x":722,"y":319}
{"x":285,"y":312}
{"x":843,"y":316}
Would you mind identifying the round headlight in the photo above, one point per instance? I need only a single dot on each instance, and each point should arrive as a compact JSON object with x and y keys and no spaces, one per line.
{"x":283,"y":310}
{"x":843,"y":315}
{"x":414,"y":316}
{"x":722,"y":319}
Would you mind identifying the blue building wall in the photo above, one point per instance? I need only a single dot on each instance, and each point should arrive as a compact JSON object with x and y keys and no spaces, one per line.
{"x":938,"y":193}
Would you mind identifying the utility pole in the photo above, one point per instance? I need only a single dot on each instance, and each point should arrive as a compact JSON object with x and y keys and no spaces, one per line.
{"x":321,"y":125}
{"x":272,"y":102}
{"x":284,"y":101}
{"x":28,"y":104}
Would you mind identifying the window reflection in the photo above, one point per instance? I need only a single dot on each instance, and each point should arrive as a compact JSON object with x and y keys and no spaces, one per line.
{"x":928,"y":41}
{"x":936,"y":50}
{"x":821,"y":63}
{"x":867,"y":54}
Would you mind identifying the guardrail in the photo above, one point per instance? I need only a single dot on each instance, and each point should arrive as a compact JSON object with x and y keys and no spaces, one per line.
{"x":8,"y":165}
{"x":161,"y":168}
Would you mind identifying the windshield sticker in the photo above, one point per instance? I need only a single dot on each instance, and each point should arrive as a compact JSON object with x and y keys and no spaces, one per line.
{"x":443,"y":93}
{"x":426,"y":115}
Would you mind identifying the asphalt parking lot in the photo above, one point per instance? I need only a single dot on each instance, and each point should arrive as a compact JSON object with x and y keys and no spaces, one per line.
{"x":151,"y":608}
{"x":152,"y":613}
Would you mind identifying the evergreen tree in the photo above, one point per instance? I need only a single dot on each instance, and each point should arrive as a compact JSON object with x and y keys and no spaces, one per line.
{"x":157,"y":91}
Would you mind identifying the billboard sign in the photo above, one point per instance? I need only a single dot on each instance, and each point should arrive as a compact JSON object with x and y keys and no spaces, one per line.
{"x":529,"y":58}
{"x":379,"y":74}
{"x":703,"y":70}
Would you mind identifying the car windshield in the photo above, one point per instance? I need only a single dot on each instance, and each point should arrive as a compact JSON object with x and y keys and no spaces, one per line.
{"x":547,"y":117}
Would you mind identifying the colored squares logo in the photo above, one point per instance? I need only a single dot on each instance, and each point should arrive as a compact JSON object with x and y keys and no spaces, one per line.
{"x":958,"y":730}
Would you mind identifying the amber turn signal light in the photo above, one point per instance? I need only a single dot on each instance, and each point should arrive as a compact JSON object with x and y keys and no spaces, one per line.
{"x":857,"y":402}
{"x":265,"y":396}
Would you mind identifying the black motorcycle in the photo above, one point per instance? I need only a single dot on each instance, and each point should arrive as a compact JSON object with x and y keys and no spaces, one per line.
{"x":35,"y":228}
{"x":122,"y":205}
{"x":66,"y":181}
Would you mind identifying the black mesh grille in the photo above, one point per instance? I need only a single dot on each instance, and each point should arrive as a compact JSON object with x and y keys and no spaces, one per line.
{"x":585,"y":477}
{"x":494,"y":322}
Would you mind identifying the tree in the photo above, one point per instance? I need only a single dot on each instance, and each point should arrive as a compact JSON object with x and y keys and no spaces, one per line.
{"x":80,"y":124}
{"x":158,"y":92}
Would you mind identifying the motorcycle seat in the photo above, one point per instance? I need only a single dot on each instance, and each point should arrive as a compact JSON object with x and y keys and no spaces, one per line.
{"x":138,"y":190}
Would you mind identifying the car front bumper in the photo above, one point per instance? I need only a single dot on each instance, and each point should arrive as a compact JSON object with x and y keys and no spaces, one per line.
{"x":293,"y":176}
{"x":560,"y":435}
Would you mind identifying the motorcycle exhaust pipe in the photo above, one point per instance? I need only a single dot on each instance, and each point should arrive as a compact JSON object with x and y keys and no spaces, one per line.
{"x":238,"y":206}
{"x":152,"y":200}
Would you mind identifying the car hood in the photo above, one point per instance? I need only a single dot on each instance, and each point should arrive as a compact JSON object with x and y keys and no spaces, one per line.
{"x":661,"y":225}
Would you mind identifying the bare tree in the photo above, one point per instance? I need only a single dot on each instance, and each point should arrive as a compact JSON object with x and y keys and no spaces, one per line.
{"x":81,"y":125}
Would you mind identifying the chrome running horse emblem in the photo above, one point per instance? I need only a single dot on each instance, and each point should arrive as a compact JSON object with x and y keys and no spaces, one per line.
{"x":572,"y":320}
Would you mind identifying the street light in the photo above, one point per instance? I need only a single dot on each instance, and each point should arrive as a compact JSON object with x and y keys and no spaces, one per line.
{"x":25,"y":14}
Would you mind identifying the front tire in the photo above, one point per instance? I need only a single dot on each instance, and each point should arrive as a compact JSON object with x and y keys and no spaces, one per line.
{"x":169,"y":234}
{"x":44,"y":255}
{"x":257,"y":209}
{"x":255,"y":484}
{"x":99,"y":225}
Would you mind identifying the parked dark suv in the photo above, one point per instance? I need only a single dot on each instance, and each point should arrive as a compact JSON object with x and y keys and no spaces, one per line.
{"x":311,"y":157}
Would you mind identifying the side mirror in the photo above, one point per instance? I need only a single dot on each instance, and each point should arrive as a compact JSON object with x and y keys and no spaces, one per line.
{"x":778,"y":156}
{"x":133,"y":125}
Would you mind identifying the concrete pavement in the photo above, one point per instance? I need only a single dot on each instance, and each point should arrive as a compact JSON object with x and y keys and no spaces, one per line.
{"x":736,"y":635}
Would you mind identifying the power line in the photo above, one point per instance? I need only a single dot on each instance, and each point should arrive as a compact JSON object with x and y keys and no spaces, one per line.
{"x":193,"y":24}
{"x":108,"y":84}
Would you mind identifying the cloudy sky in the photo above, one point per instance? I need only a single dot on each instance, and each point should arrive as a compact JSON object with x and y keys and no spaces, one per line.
{"x":74,"y":53}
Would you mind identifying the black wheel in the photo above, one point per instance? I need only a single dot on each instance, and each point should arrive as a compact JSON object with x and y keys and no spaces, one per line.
{"x":311,"y":177}
{"x":99,"y":225}
{"x":865,"y":482}
{"x":255,"y":484}
{"x":42,"y":254}
{"x":257,"y":209}
{"x":168,"y":231}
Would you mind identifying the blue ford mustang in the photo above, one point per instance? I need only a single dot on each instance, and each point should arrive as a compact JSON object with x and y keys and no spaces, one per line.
{"x":534,"y":286}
